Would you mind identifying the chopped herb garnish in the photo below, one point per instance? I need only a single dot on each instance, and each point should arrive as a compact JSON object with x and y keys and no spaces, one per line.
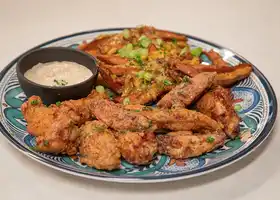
{"x":126,"y":34}
{"x":237,"y":107}
{"x":126,"y":101}
{"x":158,"y":43}
{"x":186,"y":79}
{"x":147,"y":76}
{"x":34,"y":102}
{"x":99,"y":128}
{"x":174,"y":40}
{"x":136,"y":110}
{"x":100,"y":89}
{"x":150,"y":123}
{"x":210,"y":139}
{"x":237,"y":137}
{"x":167,"y":82}
{"x":196,"y":51}
{"x":58,"y":103}
{"x":138,"y":59}
{"x":184,"y":51}
{"x":140,"y":74}
{"x":144,"y":41}
{"x":46,"y":142}
{"x":60,"y":82}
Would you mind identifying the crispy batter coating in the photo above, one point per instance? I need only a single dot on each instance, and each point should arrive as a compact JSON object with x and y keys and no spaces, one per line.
{"x":55,"y":127}
{"x":137,"y":147}
{"x":181,"y":120}
{"x":117,"y":118}
{"x":98,"y":146}
{"x":218,"y":104}
{"x":186,"y":93}
{"x":185,"y":144}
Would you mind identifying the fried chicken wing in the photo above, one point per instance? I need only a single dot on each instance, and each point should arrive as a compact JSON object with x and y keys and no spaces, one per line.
{"x":186,"y":93}
{"x":181,"y":120}
{"x":185,"y":144}
{"x":218,"y":104}
{"x":98,"y":146}
{"x":117,"y":118}
{"x":137,"y":147}
{"x":56,"y":126}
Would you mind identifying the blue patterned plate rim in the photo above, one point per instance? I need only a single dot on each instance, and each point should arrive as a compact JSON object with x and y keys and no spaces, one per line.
{"x":163,"y":178}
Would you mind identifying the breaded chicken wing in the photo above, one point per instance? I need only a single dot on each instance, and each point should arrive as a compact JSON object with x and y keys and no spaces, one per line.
{"x":55,"y":127}
{"x":185,"y":144}
{"x":116,"y":117}
{"x":98,"y":146}
{"x":218,"y":104}
{"x":137,"y":147}
{"x":186,"y":93}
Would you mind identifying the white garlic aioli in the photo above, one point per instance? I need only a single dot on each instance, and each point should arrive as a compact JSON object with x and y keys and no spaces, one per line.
{"x":59,"y":74}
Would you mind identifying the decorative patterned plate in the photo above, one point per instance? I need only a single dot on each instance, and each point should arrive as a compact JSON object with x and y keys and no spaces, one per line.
{"x":255,"y":102}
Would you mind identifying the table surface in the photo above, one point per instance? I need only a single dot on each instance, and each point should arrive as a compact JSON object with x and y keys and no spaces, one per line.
{"x":249,"y":27}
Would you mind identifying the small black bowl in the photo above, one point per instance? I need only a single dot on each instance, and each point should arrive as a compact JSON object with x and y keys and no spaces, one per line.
{"x":52,"y":94}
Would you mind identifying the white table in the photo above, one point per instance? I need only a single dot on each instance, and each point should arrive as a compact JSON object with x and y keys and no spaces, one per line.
{"x":250,"y":27}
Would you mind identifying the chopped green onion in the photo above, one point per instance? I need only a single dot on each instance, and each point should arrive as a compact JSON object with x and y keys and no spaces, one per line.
{"x":60,"y":82}
{"x":99,"y":128}
{"x":147,"y":76}
{"x":126,"y":101}
{"x":140,"y":74}
{"x":167,"y":82}
{"x":144,"y":41}
{"x":210,"y":139}
{"x":138,"y":59}
{"x":237,"y":137}
{"x":174,"y":40}
{"x":150,"y":123}
{"x":34,"y":102}
{"x":136,"y":110}
{"x":45,"y":142}
{"x":184,"y":51}
{"x":100,"y":89}
{"x":186,"y":79}
{"x":58,"y":103}
{"x":126,"y":50}
{"x":237,"y":107}
{"x":126,"y":33}
{"x":158,"y":43}
{"x":143,"y":52}
{"x":196,"y":51}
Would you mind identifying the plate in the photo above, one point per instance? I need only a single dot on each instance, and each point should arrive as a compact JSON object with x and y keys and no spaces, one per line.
{"x":254,"y":99}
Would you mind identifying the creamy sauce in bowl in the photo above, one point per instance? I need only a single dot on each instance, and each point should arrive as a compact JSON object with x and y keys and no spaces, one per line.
{"x":58,"y":74}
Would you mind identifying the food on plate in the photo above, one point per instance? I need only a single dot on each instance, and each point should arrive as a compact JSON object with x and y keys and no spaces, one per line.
{"x":58,"y":73}
{"x":119,"y":119}
{"x":98,"y":147}
{"x":56,"y":126}
{"x":137,"y":147}
{"x":218,"y":104}
{"x":157,"y":95}
{"x":186,"y":144}
{"x":187,"y":92}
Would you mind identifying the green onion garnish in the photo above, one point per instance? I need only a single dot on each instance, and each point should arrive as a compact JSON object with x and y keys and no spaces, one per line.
{"x":167,"y":82}
{"x":210,"y":139}
{"x":196,"y":51}
{"x":144,"y":41}
{"x":174,"y":40}
{"x":184,"y":51}
{"x":34,"y":102}
{"x":58,"y":103}
{"x":45,"y":142}
{"x":126,"y":34}
{"x":60,"y":82}
{"x":100,"y":89}
{"x":237,"y":107}
{"x":186,"y":79}
{"x":148,"y":76}
{"x":158,"y":43}
{"x":126,"y":101}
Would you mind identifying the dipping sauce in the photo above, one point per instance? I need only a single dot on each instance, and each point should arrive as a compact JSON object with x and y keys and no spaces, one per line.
{"x":58,"y":74}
